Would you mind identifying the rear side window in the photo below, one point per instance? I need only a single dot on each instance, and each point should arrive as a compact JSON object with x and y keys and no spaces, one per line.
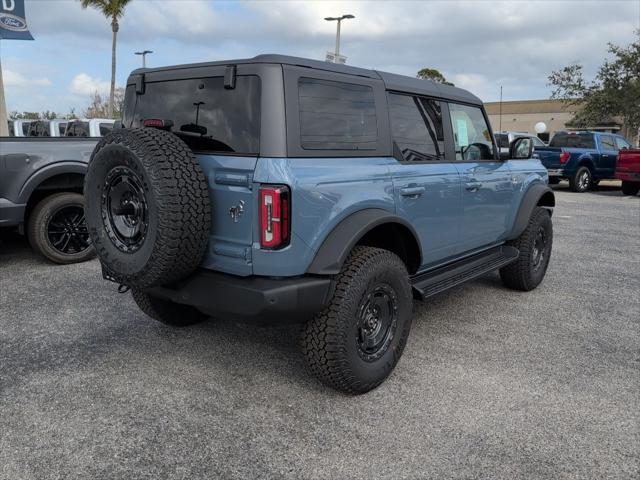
{"x":336,"y":115}
{"x":207,"y":116}
{"x":77,"y":129}
{"x":471,"y":133}
{"x":572,"y":140}
{"x":607,"y":143}
{"x":416,"y":127}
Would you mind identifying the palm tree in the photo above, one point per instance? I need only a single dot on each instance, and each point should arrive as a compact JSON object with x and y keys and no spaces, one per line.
{"x":112,"y":9}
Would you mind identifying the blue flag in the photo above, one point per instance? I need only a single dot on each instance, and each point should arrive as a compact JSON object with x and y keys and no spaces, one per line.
{"x":13,"y":25}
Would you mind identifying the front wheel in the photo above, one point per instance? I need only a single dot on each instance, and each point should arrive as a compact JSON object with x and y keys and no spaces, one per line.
{"x":356,"y":342}
{"x":630,"y":188}
{"x":582,"y":180}
{"x":534,"y":245}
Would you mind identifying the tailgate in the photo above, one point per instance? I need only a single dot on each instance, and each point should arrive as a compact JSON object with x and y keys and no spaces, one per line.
{"x":549,"y":156}
{"x":229,"y":180}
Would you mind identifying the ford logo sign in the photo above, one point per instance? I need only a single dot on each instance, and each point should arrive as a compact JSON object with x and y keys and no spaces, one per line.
{"x":12,"y":22}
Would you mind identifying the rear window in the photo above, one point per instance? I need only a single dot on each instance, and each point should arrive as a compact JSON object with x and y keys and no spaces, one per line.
{"x":572,"y":140}
{"x":205,"y":115}
{"x":336,"y":115}
{"x":502,"y":139}
{"x":105,"y":128}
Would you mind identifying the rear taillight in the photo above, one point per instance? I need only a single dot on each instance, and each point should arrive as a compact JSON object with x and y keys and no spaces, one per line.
{"x":157,"y":123}
{"x":564,"y":157}
{"x":275,"y":211}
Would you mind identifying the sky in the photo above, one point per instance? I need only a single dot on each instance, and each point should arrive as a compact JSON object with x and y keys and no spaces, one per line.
{"x":478,"y":45}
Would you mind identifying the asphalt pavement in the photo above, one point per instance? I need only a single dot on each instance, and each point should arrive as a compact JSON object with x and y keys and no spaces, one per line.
{"x":493,"y":383}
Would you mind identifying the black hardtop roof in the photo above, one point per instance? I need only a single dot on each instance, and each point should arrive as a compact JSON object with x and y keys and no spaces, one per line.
{"x":392,"y":81}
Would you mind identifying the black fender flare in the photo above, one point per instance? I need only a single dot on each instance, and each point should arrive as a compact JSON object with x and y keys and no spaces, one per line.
{"x":538,"y":194}
{"x":336,"y":246}
{"x":58,"y":168}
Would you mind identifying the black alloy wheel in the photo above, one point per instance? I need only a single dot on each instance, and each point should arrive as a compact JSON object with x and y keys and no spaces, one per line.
{"x":67,"y":230}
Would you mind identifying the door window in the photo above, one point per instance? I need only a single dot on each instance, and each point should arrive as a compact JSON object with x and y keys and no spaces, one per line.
{"x":607,"y":143}
{"x":471,"y":133}
{"x":622,"y":143}
{"x":336,"y":115}
{"x":416,"y":126}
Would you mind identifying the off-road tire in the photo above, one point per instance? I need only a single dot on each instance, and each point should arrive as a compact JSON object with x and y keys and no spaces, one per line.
{"x":38,"y":223}
{"x":630,"y":188}
{"x":330,"y":339}
{"x":554,"y":180}
{"x":577,"y":183}
{"x":176,"y":202}
{"x":166,"y":311}
{"x":522,"y":274}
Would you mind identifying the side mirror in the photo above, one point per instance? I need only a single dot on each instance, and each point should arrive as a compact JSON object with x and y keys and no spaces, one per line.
{"x":521,"y":148}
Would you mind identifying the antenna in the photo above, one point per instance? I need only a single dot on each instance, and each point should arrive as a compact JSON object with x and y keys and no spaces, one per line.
{"x":500,"y":128}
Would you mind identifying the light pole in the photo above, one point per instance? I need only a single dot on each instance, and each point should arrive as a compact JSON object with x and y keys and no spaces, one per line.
{"x":144,"y":57}
{"x":339,"y":20}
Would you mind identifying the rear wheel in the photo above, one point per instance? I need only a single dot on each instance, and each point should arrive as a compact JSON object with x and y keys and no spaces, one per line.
{"x":535,"y":245}
{"x":167,"y":312}
{"x":630,"y":188}
{"x":57,"y":229}
{"x":582,"y":180}
{"x":356,"y":342}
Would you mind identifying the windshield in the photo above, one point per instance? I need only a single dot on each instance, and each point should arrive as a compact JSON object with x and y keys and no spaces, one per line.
{"x":207,"y":116}
{"x":572,"y":140}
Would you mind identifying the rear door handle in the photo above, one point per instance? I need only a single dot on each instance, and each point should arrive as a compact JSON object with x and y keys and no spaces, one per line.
{"x":411,"y":191}
{"x":473,"y":186}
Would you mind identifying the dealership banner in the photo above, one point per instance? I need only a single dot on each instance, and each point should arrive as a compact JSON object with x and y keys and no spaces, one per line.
{"x":13,"y":25}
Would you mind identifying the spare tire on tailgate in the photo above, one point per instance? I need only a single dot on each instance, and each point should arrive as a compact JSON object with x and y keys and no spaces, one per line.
{"x":147,"y":207}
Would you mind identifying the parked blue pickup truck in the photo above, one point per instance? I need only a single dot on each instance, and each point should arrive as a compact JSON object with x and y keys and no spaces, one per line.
{"x":583,"y":158}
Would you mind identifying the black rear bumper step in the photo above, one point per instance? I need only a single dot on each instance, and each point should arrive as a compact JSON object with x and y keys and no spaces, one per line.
{"x":440,"y":279}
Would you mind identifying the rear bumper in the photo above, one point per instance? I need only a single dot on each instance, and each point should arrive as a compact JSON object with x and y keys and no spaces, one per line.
{"x":556,"y":172}
{"x":262,"y":300}
{"x":11,"y":214}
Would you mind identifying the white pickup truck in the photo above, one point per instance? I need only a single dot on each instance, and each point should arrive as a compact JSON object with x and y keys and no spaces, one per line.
{"x":37,"y":128}
{"x":95,"y":127}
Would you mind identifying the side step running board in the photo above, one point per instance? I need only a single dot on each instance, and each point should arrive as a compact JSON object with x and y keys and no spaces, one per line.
{"x":442,"y":278}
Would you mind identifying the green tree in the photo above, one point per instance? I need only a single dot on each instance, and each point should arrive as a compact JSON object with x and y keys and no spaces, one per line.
{"x":99,"y":108}
{"x":433,"y":75}
{"x":113,"y":10}
{"x":614,"y":92}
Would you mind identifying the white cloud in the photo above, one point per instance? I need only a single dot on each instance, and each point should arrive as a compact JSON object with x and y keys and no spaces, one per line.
{"x":84,"y":85}
{"x":12,"y":78}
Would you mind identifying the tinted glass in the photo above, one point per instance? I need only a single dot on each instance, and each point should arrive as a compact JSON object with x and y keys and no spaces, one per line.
{"x":336,"y":115}
{"x":25,"y":128}
{"x":537,"y":142}
{"x":10,"y":123}
{"x":105,"y":128}
{"x":502,"y":139}
{"x":39,"y":129}
{"x":608,"y":143}
{"x":572,"y":140}
{"x":470,"y":133}
{"x":205,"y":115}
{"x":416,"y":126}
{"x":622,"y":143}
{"x":61,"y":128}
{"x":77,"y":129}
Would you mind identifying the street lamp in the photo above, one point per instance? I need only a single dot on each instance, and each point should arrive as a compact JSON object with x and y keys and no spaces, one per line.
{"x":144,"y":57}
{"x":339,"y":20}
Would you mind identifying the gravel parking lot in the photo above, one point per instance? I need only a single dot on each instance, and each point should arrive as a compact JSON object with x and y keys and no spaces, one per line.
{"x":493,"y":384}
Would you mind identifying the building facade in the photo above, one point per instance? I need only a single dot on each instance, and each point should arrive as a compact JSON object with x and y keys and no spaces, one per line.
{"x":522,"y":116}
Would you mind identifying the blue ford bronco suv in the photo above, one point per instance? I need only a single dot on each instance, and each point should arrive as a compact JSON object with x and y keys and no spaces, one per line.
{"x":279,"y":189}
